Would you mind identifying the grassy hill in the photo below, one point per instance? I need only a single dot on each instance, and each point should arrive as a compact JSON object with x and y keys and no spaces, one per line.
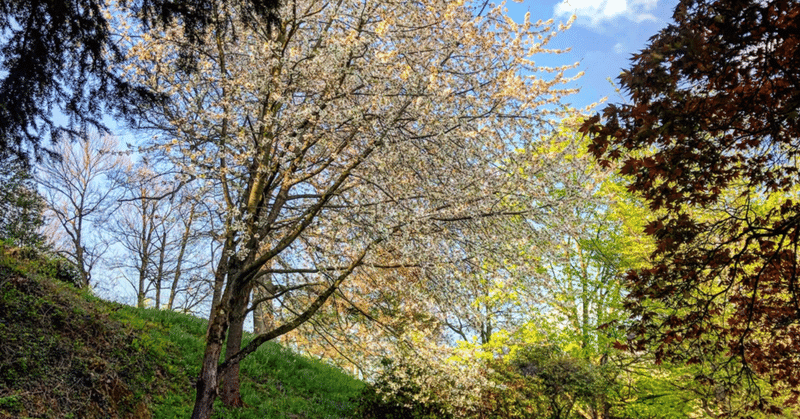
{"x":67,"y":354}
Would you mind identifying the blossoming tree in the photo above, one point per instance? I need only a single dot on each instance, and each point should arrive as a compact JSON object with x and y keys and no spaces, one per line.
{"x":354,"y":136}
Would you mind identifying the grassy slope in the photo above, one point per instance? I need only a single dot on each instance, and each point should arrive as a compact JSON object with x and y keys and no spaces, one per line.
{"x":64,"y":353}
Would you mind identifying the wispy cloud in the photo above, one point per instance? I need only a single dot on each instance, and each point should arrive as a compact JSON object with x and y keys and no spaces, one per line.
{"x":599,"y":12}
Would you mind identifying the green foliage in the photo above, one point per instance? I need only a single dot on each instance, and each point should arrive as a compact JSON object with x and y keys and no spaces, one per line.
{"x":514,"y":395}
{"x":664,"y":392}
{"x":395,"y":395}
{"x":570,"y":336}
{"x":61,"y":355}
{"x":11,"y":404}
{"x":37,"y":261}
{"x":21,"y":206}
{"x":296,"y":385}
{"x":562,"y":379}
{"x":276,"y":382}
{"x":710,"y":139}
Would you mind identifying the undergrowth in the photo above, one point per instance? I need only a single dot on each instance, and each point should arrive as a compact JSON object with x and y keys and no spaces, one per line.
{"x":61,"y":354}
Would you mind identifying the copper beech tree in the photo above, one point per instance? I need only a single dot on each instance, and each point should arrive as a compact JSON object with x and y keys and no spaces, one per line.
{"x":711,"y":140}
{"x":353,"y":136}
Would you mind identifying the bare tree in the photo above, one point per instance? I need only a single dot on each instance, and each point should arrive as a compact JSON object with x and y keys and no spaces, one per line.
{"x":80,"y":196}
{"x":159,"y":236}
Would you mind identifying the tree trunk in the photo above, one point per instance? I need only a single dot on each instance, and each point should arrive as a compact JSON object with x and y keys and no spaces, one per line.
{"x":231,"y":394}
{"x":261,"y":316}
{"x":604,"y":402}
{"x":184,"y":241}
{"x":161,"y":262}
{"x":208,"y":382}
{"x":141,"y":292}
{"x":219,"y":285}
{"x":79,"y":257}
{"x":263,"y":320}
{"x":218,"y":323}
{"x":221,"y":314}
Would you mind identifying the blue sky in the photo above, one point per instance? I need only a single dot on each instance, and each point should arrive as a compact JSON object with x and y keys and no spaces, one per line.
{"x":604,"y":36}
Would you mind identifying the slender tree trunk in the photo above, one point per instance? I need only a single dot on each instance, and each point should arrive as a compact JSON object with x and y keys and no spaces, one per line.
{"x":79,"y":256}
{"x":145,"y":243}
{"x":161,"y":262}
{"x":219,"y":284}
{"x":174,"y":287}
{"x":140,"y":294}
{"x":158,"y":294}
{"x":263,"y":317}
{"x":79,"y":251}
{"x":263,"y":320}
{"x":184,"y":241}
{"x":604,"y":402}
{"x":260,"y":314}
{"x":586,"y":299}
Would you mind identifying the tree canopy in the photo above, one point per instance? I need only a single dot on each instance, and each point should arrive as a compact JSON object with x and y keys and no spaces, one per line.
{"x":354,"y":137}
{"x":57,"y":55}
{"x":711,"y":140}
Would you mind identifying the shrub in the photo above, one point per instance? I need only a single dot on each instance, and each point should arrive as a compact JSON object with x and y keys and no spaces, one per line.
{"x":21,"y":207}
{"x":396,"y":395}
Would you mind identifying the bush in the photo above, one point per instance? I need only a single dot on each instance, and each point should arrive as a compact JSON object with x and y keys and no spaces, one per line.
{"x":63,"y":270}
{"x":395,"y":395}
{"x":561,"y":380}
{"x":514,"y":396}
{"x":37,"y":260}
{"x":21,"y":207}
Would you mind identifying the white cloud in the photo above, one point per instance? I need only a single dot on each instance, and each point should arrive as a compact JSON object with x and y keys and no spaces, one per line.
{"x":619,"y":48}
{"x":598,"y":12}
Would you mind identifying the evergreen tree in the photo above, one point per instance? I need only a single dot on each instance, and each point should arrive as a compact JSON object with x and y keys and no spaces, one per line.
{"x":21,"y":207}
{"x":59,"y":55}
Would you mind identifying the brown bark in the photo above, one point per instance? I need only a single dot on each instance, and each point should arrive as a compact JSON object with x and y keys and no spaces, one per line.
{"x":140,"y":292}
{"x":237,"y":291}
{"x":218,"y":322}
{"x":260,"y":317}
{"x":232,"y":359}
{"x":230,"y":394}
{"x":162,"y":254}
{"x":263,"y":320}
{"x":208,"y":382}
{"x":219,"y":278}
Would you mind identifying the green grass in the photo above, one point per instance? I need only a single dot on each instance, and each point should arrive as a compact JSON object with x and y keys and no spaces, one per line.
{"x":65,"y":353}
{"x":276,"y":383}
